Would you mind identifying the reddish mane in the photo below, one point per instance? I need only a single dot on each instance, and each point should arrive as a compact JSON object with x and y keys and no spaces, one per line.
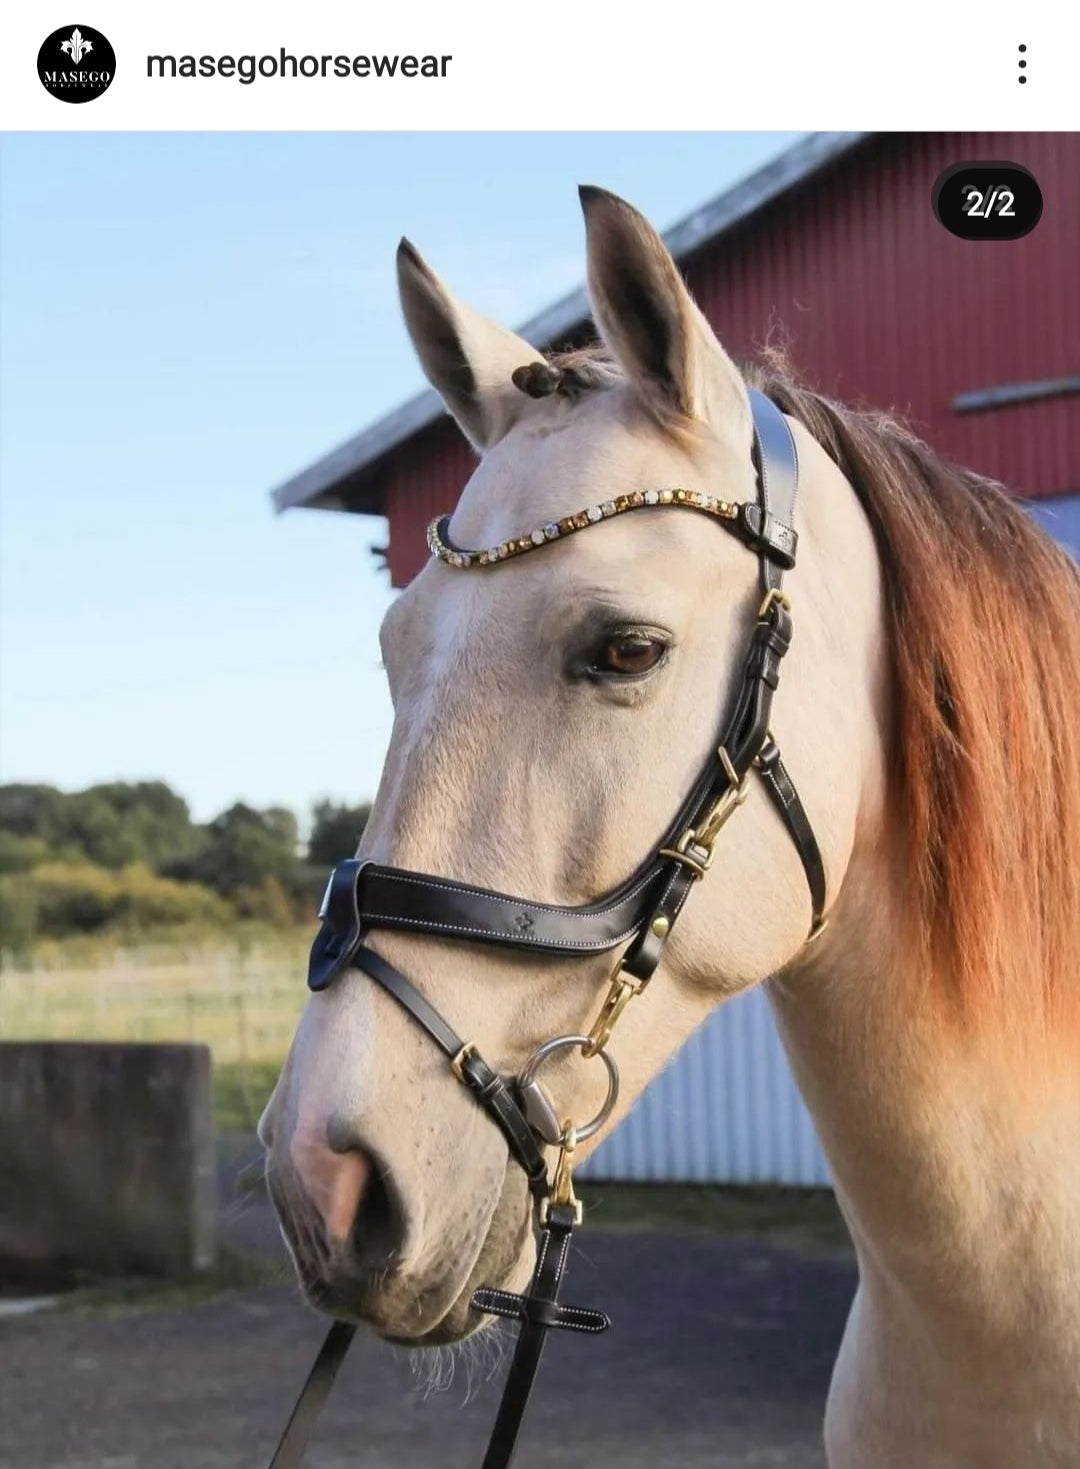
{"x":984,"y":612}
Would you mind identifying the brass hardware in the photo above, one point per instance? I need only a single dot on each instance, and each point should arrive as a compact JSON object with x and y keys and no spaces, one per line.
{"x":703,"y":836}
{"x":773,"y":597}
{"x":622,"y":991}
{"x":562,"y":1186}
{"x":678,"y":853}
{"x":532,"y":1098}
{"x":818,"y":929}
{"x":660,"y":926}
{"x":734,"y":796}
{"x":458,"y":1062}
{"x":770,"y":739}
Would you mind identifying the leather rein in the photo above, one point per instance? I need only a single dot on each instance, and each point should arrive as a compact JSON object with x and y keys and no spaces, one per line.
{"x":640,"y":914}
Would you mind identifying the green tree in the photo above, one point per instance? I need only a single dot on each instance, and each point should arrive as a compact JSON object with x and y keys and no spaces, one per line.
{"x":335,"y":832}
{"x":22,"y":853}
{"x":123,"y":822}
{"x":31,"y":811}
{"x":243,"y":847}
{"x":112,"y":824}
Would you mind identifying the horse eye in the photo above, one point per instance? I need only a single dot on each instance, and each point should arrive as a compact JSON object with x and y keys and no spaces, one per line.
{"x":628,"y":655}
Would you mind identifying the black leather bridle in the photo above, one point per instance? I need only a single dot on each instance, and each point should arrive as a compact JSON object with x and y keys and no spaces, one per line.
{"x":640,"y":914}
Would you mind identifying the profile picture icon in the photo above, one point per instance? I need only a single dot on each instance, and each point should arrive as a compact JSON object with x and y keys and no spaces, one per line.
{"x":76,"y":63}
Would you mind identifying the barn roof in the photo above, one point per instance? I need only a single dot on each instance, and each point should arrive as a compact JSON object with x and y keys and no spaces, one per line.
{"x":347,"y":478}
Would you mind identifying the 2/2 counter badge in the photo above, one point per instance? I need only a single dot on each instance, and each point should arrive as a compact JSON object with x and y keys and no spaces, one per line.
{"x":76,"y":64}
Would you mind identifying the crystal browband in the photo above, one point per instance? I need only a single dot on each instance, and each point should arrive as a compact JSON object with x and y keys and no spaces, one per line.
{"x":443,"y":548}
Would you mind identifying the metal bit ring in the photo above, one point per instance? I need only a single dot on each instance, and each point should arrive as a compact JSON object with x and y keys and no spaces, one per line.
{"x":527,"y":1077}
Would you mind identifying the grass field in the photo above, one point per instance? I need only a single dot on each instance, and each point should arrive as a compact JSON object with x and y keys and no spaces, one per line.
{"x":241,"y":999}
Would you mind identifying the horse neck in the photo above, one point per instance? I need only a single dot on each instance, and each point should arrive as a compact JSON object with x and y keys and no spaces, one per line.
{"x":949,"y":1141}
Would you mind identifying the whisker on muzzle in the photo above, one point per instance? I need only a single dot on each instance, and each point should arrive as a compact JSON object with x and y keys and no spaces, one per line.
{"x":481,"y":1356}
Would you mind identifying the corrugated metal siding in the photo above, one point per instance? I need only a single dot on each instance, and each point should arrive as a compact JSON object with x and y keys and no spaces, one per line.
{"x":877,"y":304}
{"x":726,"y":1110}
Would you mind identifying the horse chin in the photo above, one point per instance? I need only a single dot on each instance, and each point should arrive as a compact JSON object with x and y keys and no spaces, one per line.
{"x":504,"y":1263}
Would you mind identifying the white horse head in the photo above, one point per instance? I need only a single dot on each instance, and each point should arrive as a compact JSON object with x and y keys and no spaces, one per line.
{"x":551,"y":713}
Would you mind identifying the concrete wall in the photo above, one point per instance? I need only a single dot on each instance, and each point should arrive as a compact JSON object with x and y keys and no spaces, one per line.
{"x":106,"y":1160}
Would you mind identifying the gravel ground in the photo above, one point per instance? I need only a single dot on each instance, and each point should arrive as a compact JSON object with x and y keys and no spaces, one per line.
{"x":720,"y":1356}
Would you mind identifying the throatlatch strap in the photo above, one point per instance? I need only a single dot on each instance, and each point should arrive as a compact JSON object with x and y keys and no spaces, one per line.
{"x":786,"y":799}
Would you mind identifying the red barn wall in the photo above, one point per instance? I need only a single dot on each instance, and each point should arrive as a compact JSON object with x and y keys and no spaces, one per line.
{"x":877,"y":304}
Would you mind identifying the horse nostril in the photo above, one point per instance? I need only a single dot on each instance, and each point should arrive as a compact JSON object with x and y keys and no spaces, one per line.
{"x":361,"y":1210}
{"x":378,"y":1228}
{"x":334,"y":1182}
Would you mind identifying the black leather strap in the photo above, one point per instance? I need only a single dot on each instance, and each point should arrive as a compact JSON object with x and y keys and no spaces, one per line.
{"x":746,"y":733}
{"x":766,"y":535}
{"x":793,"y":813}
{"x":339,"y":943}
{"x":289,"y":1453}
{"x":538,"y":1311}
{"x":777,"y":464}
{"x":418,"y":902}
{"x":486,"y":1085}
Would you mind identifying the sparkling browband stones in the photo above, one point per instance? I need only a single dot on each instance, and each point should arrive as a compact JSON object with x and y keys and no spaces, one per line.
{"x":444,"y":550}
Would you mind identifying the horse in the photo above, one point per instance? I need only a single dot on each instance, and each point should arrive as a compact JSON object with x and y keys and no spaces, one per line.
{"x":551,"y":711}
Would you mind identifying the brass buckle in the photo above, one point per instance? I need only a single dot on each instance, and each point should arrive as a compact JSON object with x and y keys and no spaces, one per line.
{"x":703,"y":836}
{"x":457,"y":1063}
{"x":680,"y":853}
{"x":774,"y":597}
{"x":562,"y":1186}
{"x":734,"y":796}
{"x":623,"y":988}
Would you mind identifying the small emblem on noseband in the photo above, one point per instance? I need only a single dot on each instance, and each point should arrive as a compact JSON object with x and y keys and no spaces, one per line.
{"x":523,"y":922}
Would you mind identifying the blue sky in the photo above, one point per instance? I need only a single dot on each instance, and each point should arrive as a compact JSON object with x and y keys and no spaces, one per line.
{"x":186,"y":320}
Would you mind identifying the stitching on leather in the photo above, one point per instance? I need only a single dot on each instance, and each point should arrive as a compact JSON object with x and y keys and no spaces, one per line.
{"x":504,"y":1299}
{"x":795,"y":458}
{"x":502,"y":1303}
{"x":588,"y":1321}
{"x":785,"y":790}
{"x":447,"y":886}
{"x":429,"y":925}
{"x":562,"y":1257}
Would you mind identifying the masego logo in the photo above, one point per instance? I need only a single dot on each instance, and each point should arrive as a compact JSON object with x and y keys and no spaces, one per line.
{"x":76,"y":64}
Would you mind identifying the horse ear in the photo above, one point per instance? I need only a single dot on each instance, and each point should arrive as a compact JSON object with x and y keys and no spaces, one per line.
{"x":467,"y":358}
{"x":649,"y":322}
